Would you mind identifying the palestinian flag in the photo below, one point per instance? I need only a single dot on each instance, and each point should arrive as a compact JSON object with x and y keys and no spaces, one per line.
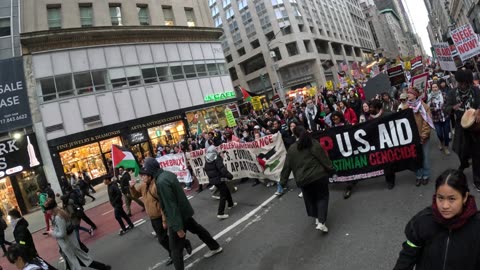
{"x":246,"y":95}
{"x":122,"y":157}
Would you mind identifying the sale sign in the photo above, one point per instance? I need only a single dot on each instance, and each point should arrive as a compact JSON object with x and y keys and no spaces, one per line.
{"x":466,"y":41}
{"x":444,"y":56}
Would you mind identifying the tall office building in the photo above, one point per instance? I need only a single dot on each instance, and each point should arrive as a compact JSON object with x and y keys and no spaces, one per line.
{"x":9,"y":29}
{"x":140,"y":74}
{"x":295,"y":42}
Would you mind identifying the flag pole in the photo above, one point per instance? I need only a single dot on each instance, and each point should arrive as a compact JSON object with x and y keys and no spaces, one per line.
{"x":113,"y":162}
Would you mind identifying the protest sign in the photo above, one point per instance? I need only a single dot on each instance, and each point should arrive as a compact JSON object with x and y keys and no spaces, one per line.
{"x":466,"y":41}
{"x":420,"y":82}
{"x":363,"y":151}
{"x":417,"y":66}
{"x":444,"y":56}
{"x":396,"y":75}
{"x":377,"y":85}
{"x":231,"y":122}
{"x":263,"y":158}
{"x":177,"y":164}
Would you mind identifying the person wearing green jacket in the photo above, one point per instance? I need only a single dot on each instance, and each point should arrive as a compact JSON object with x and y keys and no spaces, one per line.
{"x":42,"y":198}
{"x":178,"y":213}
{"x":311,"y":169}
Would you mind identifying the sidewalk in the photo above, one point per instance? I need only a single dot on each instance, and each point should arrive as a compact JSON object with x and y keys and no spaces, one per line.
{"x":36,"y":219}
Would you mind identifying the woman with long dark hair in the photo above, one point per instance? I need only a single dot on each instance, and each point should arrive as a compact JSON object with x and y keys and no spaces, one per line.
{"x":445,"y":235}
{"x":311,"y":168}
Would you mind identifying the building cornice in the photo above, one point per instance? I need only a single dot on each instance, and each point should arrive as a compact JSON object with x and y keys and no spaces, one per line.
{"x":34,"y":42}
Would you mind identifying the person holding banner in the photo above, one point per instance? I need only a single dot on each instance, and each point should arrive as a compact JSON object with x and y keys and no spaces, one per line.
{"x":217,"y":175}
{"x":423,"y":118}
{"x":445,"y":235}
{"x":311,"y":168}
{"x":466,"y":143}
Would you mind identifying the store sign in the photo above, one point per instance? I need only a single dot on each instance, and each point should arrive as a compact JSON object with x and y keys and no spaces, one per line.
{"x":88,"y":140}
{"x":219,"y":96}
{"x":137,"y":137}
{"x":157,"y":122}
{"x":14,"y":105}
{"x":17,"y":155}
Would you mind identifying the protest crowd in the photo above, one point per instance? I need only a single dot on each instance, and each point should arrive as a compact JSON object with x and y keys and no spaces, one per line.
{"x":309,"y":128}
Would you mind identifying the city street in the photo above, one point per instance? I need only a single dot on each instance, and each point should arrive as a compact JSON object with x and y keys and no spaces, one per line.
{"x":265,"y":232}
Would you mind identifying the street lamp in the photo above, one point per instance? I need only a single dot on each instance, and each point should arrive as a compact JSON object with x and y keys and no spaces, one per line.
{"x":273,"y":55}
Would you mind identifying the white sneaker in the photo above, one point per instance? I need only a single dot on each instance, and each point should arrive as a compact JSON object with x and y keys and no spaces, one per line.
{"x":316,"y":221}
{"x":234,"y":204}
{"x":210,"y":253}
{"x":154,"y":233}
{"x":212,"y":188}
{"x":300,"y":195}
{"x":216,"y":197}
{"x":322,"y":227}
{"x":235,"y":188}
{"x":224,"y":216}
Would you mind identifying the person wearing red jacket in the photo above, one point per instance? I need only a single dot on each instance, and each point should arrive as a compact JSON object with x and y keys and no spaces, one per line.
{"x":348,"y":112}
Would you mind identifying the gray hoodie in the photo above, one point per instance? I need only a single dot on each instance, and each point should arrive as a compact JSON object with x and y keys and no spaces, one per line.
{"x":212,"y":154}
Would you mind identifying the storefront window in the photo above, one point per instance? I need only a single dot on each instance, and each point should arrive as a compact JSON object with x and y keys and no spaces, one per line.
{"x":166,"y":134}
{"x":7,"y":196}
{"x":207,"y":119}
{"x":29,"y":183}
{"x":87,"y":157}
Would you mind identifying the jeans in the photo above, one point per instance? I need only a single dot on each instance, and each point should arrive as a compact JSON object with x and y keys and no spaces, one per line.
{"x":279,"y":188}
{"x":225,"y":196}
{"x":443,"y":131}
{"x":128,"y":201}
{"x":119,"y":214}
{"x":77,"y":228}
{"x":161,"y":234}
{"x":424,"y":172}
{"x":177,"y":244}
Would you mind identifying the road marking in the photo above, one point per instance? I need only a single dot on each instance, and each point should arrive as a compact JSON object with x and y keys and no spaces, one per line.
{"x":190,"y":197}
{"x":108,"y":212}
{"x":139,"y":222}
{"x":226,"y":230}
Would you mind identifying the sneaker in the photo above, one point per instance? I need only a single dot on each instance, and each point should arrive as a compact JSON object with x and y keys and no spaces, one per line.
{"x":316,"y":221}
{"x":418,"y":182}
{"x":210,"y":253}
{"x":424,"y":181}
{"x":235,"y":188}
{"x":446,"y":151}
{"x":212,"y":188}
{"x":234,"y":204}
{"x":224,"y":216}
{"x":130,"y":227}
{"x":122,"y":232}
{"x":278,"y":193}
{"x":347,"y":193}
{"x":216,"y":197}
{"x":169,"y":261}
{"x":300,"y":195}
{"x":90,"y":232}
{"x":477,"y":187}
{"x":154,"y":233}
{"x":322,"y":227}
{"x":188,"y":247}
{"x":390,"y":185}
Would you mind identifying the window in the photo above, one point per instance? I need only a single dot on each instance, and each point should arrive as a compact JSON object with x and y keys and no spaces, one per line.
{"x":217,"y":21}
{"x":229,"y":58}
{"x":143,"y":16}
{"x":255,"y":44}
{"x":212,"y":69}
{"x":241,"y":51}
{"x":229,"y":13}
{"x":280,"y":12}
{"x":133,"y":75}
{"x":116,"y":15}
{"x":163,"y":74}
{"x":83,"y":83}
{"x":189,"y":71}
{"x":308,"y":45}
{"x":222,"y":69}
{"x":86,"y":16}
{"x":4,"y":27}
{"x":214,"y":10}
{"x":177,"y":72}
{"x":117,"y":77}
{"x":54,"y":17}
{"x":168,"y":15}
{"x":211,"y":2}
{"x":242,"y":4}
{"x":292,"y":48}
{"x":48,"y":89}
{"x":190,"y":17}
{"x":233,"y":73}
{"x":64,"y":85}
{"x":149,"y":74}
{"x":277,"y":2}
{"x":201,"y":70}
{"x":233,"y":26}
{"x":99,"y":78}
{"x":226,"y":3}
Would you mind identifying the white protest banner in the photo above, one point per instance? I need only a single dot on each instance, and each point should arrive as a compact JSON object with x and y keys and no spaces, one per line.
{"x":444,"y":56}
{"x":263,"y":158}
{"x":466,"y":41}
{"x":420,"y":82}
{"x":177,"y":164}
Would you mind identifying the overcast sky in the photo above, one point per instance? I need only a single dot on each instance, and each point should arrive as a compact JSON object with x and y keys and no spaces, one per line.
{"x":419,"y":18}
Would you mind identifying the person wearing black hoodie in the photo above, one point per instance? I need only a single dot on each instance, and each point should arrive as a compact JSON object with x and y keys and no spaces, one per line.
{"x":445,"y":235}
{"x":217,"y":174}
{"x":115,"y":197}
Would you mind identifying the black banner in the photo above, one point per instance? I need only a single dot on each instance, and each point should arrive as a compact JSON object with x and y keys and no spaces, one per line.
{"x":14,"y":107}
{"x":17,"y":155}
{"x":363,"y":151}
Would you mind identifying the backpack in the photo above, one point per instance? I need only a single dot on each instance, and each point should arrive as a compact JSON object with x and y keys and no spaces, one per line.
{"x":3,"y":224}
{"x":77,"y":198}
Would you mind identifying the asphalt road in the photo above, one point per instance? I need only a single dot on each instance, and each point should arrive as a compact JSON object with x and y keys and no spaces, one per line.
{"x":264,"y":232}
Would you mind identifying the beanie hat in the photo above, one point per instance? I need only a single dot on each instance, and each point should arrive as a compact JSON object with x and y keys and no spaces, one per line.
{"x":150,"y":166}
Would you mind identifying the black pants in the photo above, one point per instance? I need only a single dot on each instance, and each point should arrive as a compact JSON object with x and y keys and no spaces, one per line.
{"x":95,"y":265}
{"x":161,"y":234}
{"x":225,"y":196}
{"x":316,"y":196}
{"x":119,"y":214}
{"x":85,"y":218}
{"x":4,"y":242}
{"x":86,"y":192}
{"x":389,"y":175}
{"x":177,"y":244}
